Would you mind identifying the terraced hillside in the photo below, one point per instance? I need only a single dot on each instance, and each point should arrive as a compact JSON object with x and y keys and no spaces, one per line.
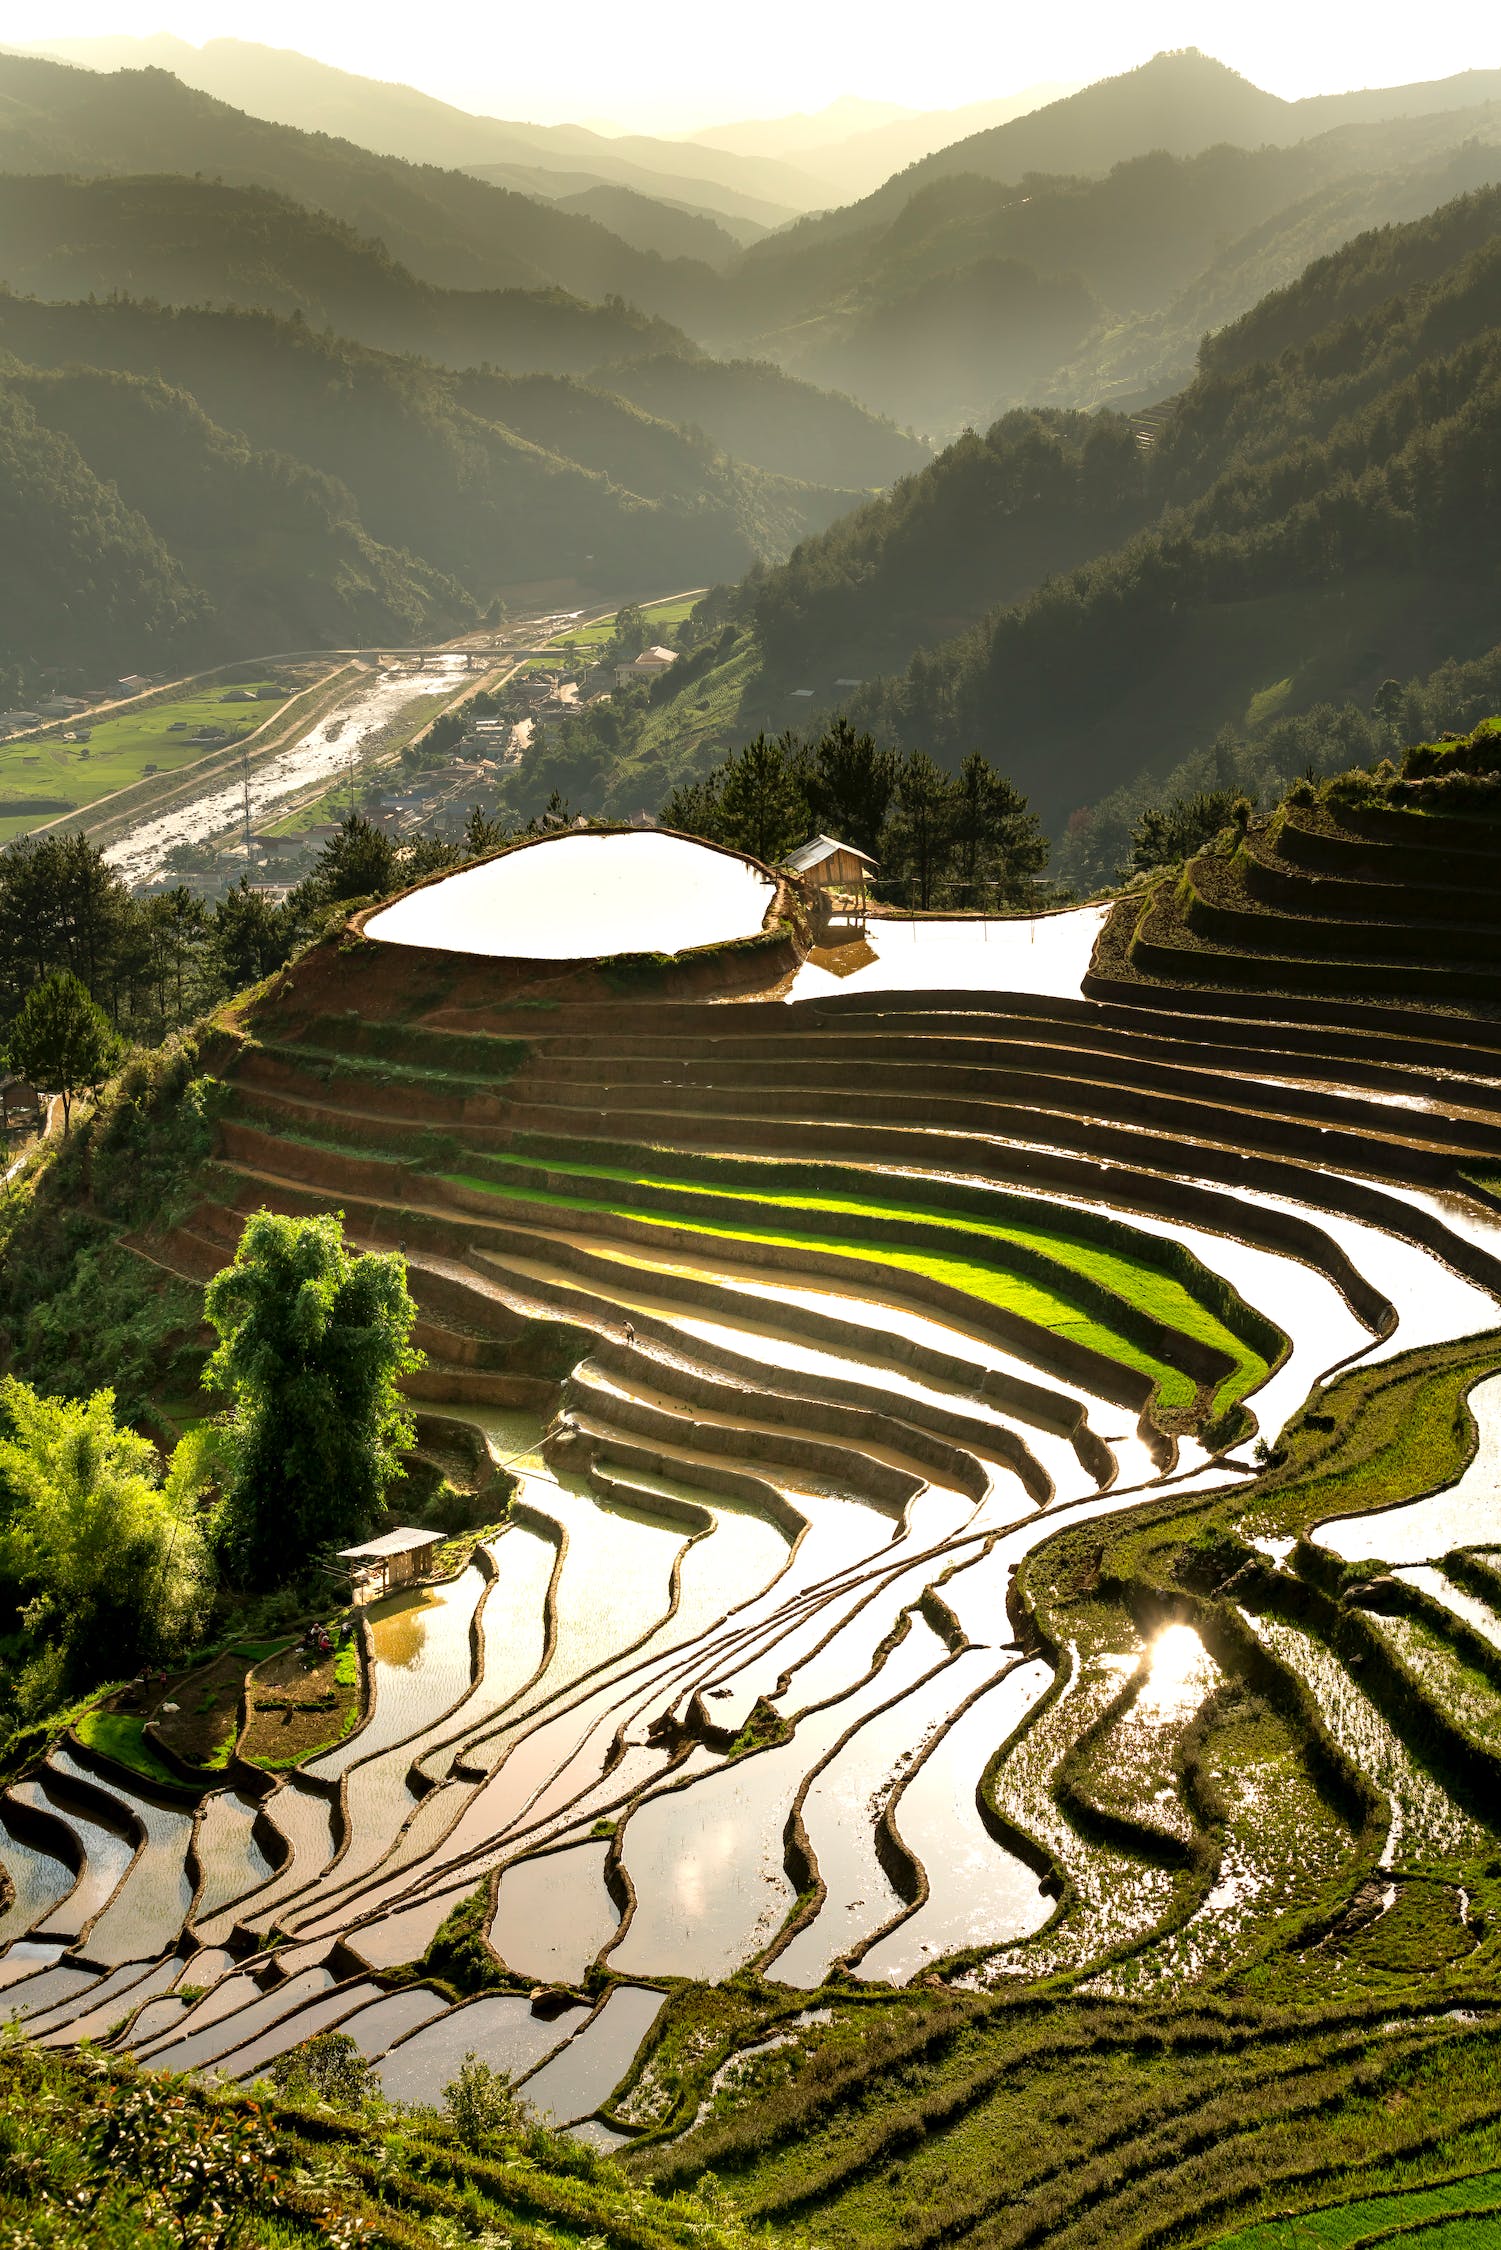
{"x":1370,"y":893}
{"x":937,"y":1710}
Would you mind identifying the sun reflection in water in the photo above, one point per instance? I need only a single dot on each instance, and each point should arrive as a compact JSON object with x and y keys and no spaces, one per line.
{"x":1179,"y":1675}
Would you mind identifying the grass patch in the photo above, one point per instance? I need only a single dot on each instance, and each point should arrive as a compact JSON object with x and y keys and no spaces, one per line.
{"x":1341,"y":2225}
{"x":119,"y":749}
{"x":114,"y":1734}
{"x":1158,"y":1294}
{"x":1045,"y":1307}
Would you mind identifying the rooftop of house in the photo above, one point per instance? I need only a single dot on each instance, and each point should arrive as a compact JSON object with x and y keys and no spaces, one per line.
{"x":821,"y":848}
{"x":402,"y":1541}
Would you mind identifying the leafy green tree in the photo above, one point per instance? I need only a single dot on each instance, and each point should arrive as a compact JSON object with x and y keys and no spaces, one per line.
{"x":423,"y":856}
{"x":482,"y":2105}
{"x":849,"y":784}
{"x":923,"y":829}
{"x":1165,"y":834}
{"x":330,"y":2068}
{"x":357,"y":862}
{"x":631,"y":634}
{"x":62,"y":1040}
{"x":693,"y":809}
{"x":251,"y":937}
{"x":761,"y":806}
{"x":998,"y":842}
{"x":313,"y":1341}
{"x":176,"y":924}
{"x":105,"y":1562}
{"x":482,"y":834}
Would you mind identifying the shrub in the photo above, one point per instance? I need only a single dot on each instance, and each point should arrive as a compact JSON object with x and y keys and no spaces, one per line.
{"x":328,"y":2068}
{"x":482,"y":2104}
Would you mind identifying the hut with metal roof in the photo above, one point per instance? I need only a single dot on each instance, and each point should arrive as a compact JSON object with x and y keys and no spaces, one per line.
{"x":826,"y":866}
{"x":394,"y":1559}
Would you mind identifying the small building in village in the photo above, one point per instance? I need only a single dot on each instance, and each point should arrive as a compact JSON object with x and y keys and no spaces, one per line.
{"x":649,"y":665}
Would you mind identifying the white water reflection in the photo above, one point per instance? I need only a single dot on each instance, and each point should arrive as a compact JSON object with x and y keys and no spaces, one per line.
{"x":1046,"y":953}
{"x":573,"y":897}
{"x":322,"y":754}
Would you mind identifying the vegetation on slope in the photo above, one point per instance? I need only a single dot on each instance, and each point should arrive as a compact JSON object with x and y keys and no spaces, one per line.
{"x":1309,"y":529}
{"x":92,"y":2152}
{"x":361,"y":488}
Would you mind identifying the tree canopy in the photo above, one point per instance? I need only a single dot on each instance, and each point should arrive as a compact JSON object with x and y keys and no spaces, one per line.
{"x":102,"y":1561}
{"x":62,"y":1039}
{"x":313,"y":1341}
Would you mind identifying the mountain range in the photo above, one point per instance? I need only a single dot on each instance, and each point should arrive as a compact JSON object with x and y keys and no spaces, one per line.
{"x":1213,"y":395}
{"x":962,"y":287}
{"x":1084,"y":596}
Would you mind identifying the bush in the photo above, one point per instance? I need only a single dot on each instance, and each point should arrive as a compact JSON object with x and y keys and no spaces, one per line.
{"x":327,"y":2068}
{"x":482,"y":2104}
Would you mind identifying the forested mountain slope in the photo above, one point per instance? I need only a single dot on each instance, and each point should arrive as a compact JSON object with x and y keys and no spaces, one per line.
{"x":140,"y":532}
{"x":954,"y":291}
{"x":479,"y":477}
{"x":194,"y":241}
{"x":1132,"y":268}
{"x":187,"y":241}
{"x":1298,"y":530}
{"x":1331,"y":522}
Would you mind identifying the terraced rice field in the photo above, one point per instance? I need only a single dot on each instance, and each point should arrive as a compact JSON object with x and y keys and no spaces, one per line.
{"x":939,"y":1420}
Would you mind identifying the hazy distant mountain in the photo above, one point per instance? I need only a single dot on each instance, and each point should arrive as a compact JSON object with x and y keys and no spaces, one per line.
{"x":668,"y":230}
{"x":1182,"y":102}
{"x":747,"y":217}
{"x":902,"y":299}
{"x":863,"y":161}
{"x":447,"y":227}
{"x":197,"y":241}
{"x":394,"y":120}
{"x":793,"y":136}
{"x":764,"y":416}
{"x":852,"y":145}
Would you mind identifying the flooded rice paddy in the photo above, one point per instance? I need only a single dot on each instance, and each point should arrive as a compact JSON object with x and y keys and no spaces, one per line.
{"x":739,"y":1683}
{"x":575,"y":897}
{"x":1046,"y":953}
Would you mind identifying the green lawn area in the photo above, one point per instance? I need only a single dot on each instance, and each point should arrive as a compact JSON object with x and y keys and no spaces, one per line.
{"x":1032,"y":1300}
{"x":1458,"y":2214}
{"x":1139,"y":1282}
{"x":46,"y":778}
{"x":591,"y":636}
{"x":115,"y":1735}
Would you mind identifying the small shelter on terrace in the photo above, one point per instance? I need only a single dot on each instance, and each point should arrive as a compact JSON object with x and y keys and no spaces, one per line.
{"x":829,"y":866}
{"x":394,"y":1559}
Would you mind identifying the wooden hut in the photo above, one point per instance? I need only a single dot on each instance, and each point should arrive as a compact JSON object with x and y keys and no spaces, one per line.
{"x":395,"y":1559}
{"x":827,"y":866}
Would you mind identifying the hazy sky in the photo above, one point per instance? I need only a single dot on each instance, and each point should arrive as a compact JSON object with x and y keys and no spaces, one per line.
{"x":663,"y":70}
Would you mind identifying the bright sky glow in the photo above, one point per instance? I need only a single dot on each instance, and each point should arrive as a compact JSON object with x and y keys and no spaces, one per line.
{"x":592,"y":60}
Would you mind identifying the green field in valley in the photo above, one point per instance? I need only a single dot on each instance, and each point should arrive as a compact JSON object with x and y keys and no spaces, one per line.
{"x":43,"y":779}
{"x":595,"y":635}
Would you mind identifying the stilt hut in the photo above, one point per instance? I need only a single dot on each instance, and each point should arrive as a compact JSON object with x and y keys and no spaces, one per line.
{"x":395,"y":1559}
{"x":826,"y":866}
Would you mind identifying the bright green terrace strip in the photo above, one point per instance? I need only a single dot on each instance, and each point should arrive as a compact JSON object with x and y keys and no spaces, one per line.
{"x":1342,"y":2224}
{"x":1157,"y":1293}
{"x":1046,"y":1308}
